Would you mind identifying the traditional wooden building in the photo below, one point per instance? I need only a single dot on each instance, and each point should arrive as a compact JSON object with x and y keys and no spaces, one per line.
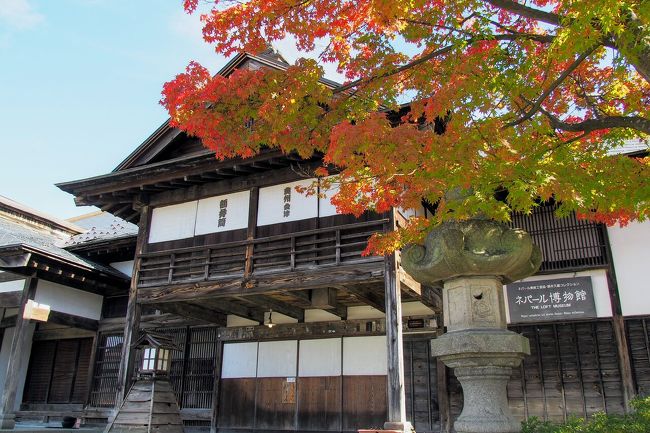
{"x":286,"y":326}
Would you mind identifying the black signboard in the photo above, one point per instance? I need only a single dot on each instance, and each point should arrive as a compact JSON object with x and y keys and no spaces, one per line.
{"x":559,"y":299}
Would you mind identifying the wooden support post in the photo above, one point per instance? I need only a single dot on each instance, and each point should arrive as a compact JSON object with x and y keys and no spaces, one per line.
{"x":618,"y":326}
{"x":214,"y":416}
{"x":443,"y":396}
{"x":17,"y":358}
{"x":627,"y":379}
{"x":395,"y":388}
{"x":252,"y":229}
{"x":133,"y":311}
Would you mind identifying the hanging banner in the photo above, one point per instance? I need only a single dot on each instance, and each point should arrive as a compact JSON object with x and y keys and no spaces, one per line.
{"x":544,"y":300}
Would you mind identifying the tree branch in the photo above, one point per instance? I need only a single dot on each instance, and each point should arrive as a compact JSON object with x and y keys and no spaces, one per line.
{"x":554,"y":85}
{"x":633,"y":122}
{"x":526,"y":11}
{"x":441,"y":51}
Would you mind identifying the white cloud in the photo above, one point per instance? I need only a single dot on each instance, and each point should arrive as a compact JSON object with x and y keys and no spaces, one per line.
{"x":19,"y":14}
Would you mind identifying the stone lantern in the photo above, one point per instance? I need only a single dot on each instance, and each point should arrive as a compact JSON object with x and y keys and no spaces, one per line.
{"x":472,"y":260}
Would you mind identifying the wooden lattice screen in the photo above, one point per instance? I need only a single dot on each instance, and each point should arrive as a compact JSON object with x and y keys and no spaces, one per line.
{"x":567,"y":243}
{"x":107,"y":366}
{"x":191,"y":375}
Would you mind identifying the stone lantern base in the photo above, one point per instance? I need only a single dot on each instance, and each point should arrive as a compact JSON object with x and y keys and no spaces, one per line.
{"x":472,"y":260}
{"x":482,"y":360}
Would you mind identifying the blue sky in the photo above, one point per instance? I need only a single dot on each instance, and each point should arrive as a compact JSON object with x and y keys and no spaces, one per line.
{"x":80,"y":82}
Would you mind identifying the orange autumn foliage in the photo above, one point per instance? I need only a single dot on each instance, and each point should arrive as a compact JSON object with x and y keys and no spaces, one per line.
{"x":530,"y":98}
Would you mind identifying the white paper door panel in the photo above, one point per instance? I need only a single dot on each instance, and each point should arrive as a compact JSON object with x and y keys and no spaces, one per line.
{"x":222,"y":213}
{"x":282,"y":203}
{"x":325,"y":207}
{"x":364,"y":356}
{"x":277,"y":359}
{"x":320,"y":358}
{"x":173,"y":222}
{"x":239,"y":360}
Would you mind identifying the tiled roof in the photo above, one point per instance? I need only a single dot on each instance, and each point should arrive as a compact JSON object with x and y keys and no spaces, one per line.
{"x":13,"y":233}
{"x":102,"y":227}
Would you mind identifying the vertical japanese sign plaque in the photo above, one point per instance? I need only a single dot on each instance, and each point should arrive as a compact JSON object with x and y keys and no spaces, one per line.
{"x":559,"y":299}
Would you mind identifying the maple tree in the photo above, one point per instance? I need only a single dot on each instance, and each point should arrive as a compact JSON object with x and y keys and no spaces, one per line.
{"x":528,"y":98}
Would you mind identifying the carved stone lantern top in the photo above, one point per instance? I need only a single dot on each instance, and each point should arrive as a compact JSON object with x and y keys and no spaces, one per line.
{"x":476,"y":247}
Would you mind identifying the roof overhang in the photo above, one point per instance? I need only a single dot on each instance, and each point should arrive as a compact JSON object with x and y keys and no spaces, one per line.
{"x":25,"y":260}
{"x":117,"y":192}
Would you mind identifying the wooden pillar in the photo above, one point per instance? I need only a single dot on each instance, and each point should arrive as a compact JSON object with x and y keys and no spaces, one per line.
{"x":443,"y":396}
{"x":252,"y":229}
{"x":214,"y":415}
{"x":133,"y":312}
{"x":17,"y":358}
{"x":618,"y":326}
{"x":395,"y":387}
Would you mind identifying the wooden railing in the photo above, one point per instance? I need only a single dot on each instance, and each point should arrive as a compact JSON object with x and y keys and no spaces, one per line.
{"x":310,"y":249}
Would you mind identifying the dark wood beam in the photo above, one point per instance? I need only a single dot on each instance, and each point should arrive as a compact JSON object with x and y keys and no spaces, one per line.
{"x":8,"y":276}
{"x":432,"y":298}
{"x":302,"y":297}
{"x":229,"y":307}
{"x":8,"y":322}
{"x":225,"y":172}
{"x":323,"y":298}
{"x":73,"y":321}
{"x":341,"y":328}
{"x":269,"y":303}
{"x":240,"y":168}
{"x":366,"y":296}
{"x":340,"y":311}
{"x":192,"y":311}
{"x":10,"y":299}
{"x":369,"y":272}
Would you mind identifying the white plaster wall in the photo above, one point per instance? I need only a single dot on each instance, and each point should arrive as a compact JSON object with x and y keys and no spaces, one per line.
{"x":173,"y":222}
{"x":416,"y":308}
{"x":364,"y":356}
{"x":4,"y":360}
{"x":364,"y":312}
{"x":68,"y":300}
{"x":277,"y":358}
{"x":12,"y":286}
{"x":598,"y":283}
{"x":325,"y":207}
{"x":320,"y":357}
{"x":207,"y":214}
{"x":367,"y":312}
{"x":407,"y":213}
{"x":124,"y":267}
{"x":239,"y":360}
{"x":271,"y":204}
{"x":280,"y":318}
{"x":631,"y":253}
{"x":317,"y":315}
{"x":234,"y":321}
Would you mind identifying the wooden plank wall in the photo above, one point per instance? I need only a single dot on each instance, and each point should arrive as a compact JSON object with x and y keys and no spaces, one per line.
{"x":638,"y":337}
{"x":572,"y":370}
{"x":57,"y":371}
{"x":420,"y":378}
{"x":334,"y":403}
